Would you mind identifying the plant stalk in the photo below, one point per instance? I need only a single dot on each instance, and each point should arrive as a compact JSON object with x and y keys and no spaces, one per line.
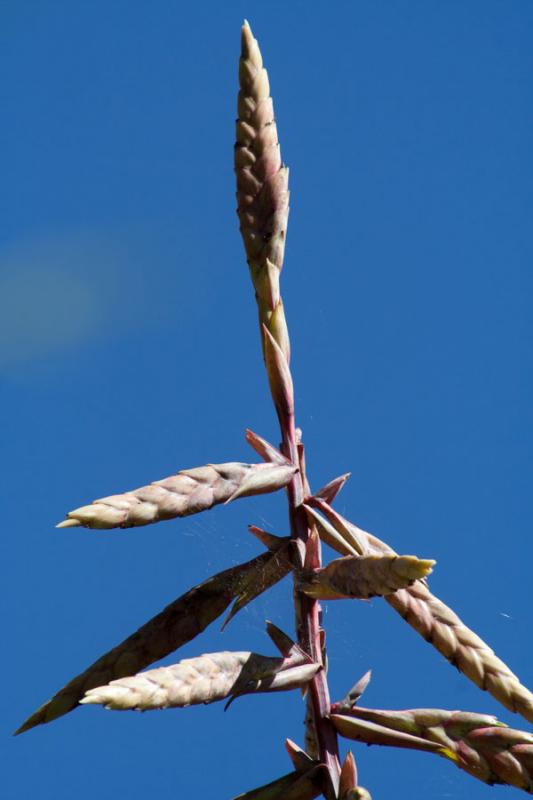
{"x":308,"y":610}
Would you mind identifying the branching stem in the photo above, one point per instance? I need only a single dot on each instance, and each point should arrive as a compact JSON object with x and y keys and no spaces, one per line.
{"x":308,"y":611}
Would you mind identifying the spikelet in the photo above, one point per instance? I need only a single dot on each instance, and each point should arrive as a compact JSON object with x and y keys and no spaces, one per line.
{"x":362,"y":577}
{"x":177,"y":624}
{"x":189,"y":492}
{"x":262,"y":188}
{"x":477,"y":743}
{"x":205,"y":679}
{"x":441,"y":626}
{"x":434,"y":620}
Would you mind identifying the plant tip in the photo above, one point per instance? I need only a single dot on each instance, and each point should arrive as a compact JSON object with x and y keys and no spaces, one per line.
{"x":68,"y":523}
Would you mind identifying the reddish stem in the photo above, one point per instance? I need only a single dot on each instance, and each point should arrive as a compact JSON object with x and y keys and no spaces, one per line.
{"x":308,"y":612}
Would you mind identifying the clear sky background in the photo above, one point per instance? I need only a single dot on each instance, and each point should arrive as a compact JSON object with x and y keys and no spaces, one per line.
{"x":129,"y":350}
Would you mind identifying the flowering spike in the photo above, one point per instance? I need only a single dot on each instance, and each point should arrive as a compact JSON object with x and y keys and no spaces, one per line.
{"x":177,"y":624}
{"x":362,"y":577}
{"x":476,"y":743}
{"x":441,"y":626}
{"x":262,"y":189}
{"x":188,"y":492}
{"x":205,"y":679}
{"x":270,"y":479}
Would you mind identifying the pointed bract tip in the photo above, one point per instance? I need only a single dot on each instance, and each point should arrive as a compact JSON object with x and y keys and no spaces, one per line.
{"x":330,"y":491}
{"x":348,"y":776}
{"x":69,"y":523}
{"x":350,"y":760}
{"x":357,"y":689}
{"x":283,"y":642}
{"x":365,"y":680}
{"x":422,"y":567}
{"x":95,"y":696}
{"x":279,"y":375}
{"x":312,"y":559}
{"x":226,"y":622}
{"x":32,"y":722}
{"x":300,"y":759}
{"x":269,"y":540}
{"x":247,"y":39}
{"x":267,"y":451}
{"x":292,"y":747}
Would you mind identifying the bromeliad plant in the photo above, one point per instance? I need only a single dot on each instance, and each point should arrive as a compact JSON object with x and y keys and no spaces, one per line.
{"x":476,"y":743}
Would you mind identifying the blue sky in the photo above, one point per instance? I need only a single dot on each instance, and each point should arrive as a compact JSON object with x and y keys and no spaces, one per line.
{"x":129,"y":350}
